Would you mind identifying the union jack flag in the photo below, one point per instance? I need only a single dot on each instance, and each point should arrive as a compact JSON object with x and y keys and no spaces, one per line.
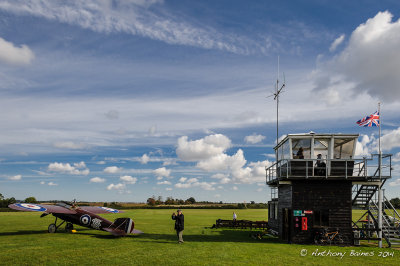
{"x":369,"y":121}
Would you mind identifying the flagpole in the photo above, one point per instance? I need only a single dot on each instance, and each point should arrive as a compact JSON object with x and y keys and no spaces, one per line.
{"x":380,"y":123}
{"x":380,"y":180}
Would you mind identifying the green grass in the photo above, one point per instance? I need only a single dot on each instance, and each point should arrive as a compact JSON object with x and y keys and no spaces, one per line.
{"x":24,"y":241}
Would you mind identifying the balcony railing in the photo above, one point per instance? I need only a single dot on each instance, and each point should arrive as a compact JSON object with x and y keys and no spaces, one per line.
{"x":330,"y":168}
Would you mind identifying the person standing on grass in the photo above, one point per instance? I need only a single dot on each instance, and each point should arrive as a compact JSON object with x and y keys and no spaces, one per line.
{"x":234,"y":216}
{"x":179,"y":224}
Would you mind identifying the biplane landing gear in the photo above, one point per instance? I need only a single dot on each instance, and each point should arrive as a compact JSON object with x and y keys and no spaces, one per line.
{"x":53,"y":227}
{"x":69,"y":227}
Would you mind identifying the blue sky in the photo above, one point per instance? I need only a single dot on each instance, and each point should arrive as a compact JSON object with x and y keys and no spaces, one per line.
{"x":122,"y":100}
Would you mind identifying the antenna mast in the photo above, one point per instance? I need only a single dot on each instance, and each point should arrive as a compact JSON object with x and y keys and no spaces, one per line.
{"x":276,"y":97}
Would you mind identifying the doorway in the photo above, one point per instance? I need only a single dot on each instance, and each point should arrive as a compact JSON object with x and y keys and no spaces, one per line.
{"x":286,"y":213}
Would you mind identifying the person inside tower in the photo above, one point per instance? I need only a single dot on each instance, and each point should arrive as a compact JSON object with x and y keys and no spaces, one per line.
{"x":300,"y":154}
{"x":320,"y":166}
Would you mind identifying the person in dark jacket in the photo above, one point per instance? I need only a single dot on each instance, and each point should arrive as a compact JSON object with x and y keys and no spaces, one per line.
{"x":179,"y":224}
{"x":300,"y":154}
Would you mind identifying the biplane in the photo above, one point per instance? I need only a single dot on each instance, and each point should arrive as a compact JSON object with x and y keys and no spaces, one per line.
{"x":70,"y":214}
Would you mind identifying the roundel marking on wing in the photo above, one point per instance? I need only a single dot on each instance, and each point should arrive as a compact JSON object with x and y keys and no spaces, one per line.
{"x":32,"y":207}
{"x":85,"y":219}
{"x":109,"y":209}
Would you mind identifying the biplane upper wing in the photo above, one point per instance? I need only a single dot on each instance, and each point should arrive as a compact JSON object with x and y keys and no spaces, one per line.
{"x":40,"y":208}
{"x":97,"y":209}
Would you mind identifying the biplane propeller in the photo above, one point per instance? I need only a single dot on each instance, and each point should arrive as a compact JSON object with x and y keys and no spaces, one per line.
{"x":70,"y":214}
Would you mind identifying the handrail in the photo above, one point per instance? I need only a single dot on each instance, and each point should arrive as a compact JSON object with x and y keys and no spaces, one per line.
{"x":393,"y":209}
{"x":286,"y":168}
{"x":383,"y":216}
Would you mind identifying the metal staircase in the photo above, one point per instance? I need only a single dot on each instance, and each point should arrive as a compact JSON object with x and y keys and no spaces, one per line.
{"x":366,"y":197}
{"x":364,"y":194}
{"x":390,"y":221}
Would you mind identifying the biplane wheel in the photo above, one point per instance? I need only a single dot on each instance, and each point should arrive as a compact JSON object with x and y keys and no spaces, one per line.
{"x":69,"y":227}
{"x":52,"y":228}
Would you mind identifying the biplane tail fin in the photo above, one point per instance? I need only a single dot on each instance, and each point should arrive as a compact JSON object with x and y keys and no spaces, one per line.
{"x":127,"y":225}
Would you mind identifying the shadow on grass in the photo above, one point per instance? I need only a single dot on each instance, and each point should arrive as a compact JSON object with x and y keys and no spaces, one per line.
{"x":209,"y":236}
{"x":37,"y":232}
{"x":23,"y":232}
{"x":206,"y":236}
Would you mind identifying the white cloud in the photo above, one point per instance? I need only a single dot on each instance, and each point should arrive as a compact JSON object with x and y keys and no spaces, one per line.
{"x":80,"y":165}
{"x":162,"y":172}
{"x":101,"y":162}
{"x":331,"y":96}
{"x":204,"y":185}
{"x":234,"y":166}
{"x":369,"y":63}
{"x":254,"y":172}
{"x":168,"y":189}
{"x":76,"y":169}
{"x":164,"y":183}
{"x":234,"y":188}
{"x":169,"y":161}
{"x":193,"y":182}
{"x":52,"y":184}
{"x":336,"y":43}
{"x":15,"y":177}
{"x":112,"y":169}
{"x":254,"y":139}
{"x":223,"y":161}
{"x":144,"y":159}
{"x":224,"y":179}
{"x":42,"y":182}
{"x":183,"y":185}
{"x":120,"y":187}
{"x":396,"y":157}
{"x":97,"y":180}
{"x":395,"y":183}
{"x":112,"y":115}
{"x":129,"y":17}
{"x":390,"y":139}
{"x":218,"y":176}
{"x":213,"y":111}
{"x":128,"y":179}
{"x":362,"y":147}
{"x":14,"y":55}
{"x":182,"y":179}
{"x":217,"y":195}
{"x":153,"y":130}
{"x":70,"y":145}
{"x":203,"y":148}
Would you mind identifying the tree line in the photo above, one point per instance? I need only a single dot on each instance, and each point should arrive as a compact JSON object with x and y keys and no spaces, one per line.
{"x":153,"y":201}
{"x":395,"y":202}
{"x":4,"y":202}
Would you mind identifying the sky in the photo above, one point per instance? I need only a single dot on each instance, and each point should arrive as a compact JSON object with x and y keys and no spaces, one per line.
{"x":123,"y":100}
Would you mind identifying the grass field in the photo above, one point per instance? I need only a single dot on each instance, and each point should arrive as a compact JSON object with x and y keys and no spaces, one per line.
{"x":24,"y":240}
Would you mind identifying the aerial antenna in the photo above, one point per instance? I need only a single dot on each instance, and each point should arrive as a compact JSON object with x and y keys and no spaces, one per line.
{"x":276,"y":98}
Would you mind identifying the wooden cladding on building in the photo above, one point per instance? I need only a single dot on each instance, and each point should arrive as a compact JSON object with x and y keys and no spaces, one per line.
{"x":318,"y":204}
